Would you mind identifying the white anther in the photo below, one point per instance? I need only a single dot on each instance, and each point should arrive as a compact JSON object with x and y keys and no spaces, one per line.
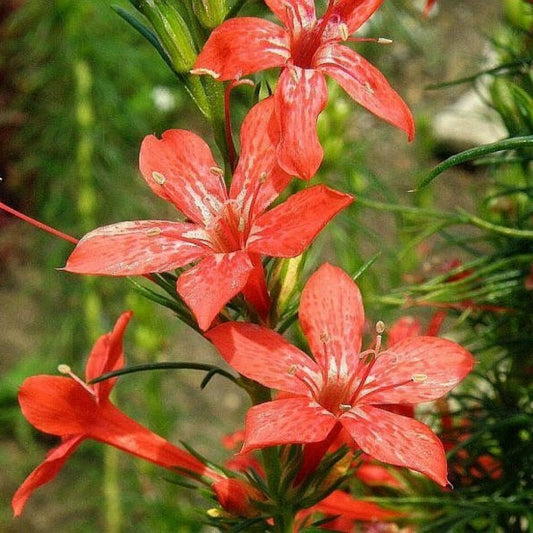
{"x":216,"y":171}
{"x":153,"y":232}
{"x":158,"y":178}
{"x":419,"y":378}
{"x":343,"y":30}
{"x":207,"y":71}
{"x":380,"y":327}
{"x":64,"y":369}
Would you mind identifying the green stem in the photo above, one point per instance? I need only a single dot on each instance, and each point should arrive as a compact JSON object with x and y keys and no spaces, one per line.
{"x":87,"y":208}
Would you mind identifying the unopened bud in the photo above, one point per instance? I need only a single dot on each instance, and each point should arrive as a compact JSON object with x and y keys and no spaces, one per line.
{"x":172,"y":31}
{"x":210,"y":13}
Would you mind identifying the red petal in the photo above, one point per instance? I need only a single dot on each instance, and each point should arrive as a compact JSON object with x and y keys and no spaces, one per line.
{"x":208,"y":286}
{"x":264,"y":356}
{"x":301,"y":95}
{"x":138,"y":247}
{"x":341,"y":503}
{"x":255,"y":291}
{"x":290,"y":421}
{"x":294,"y":14}
{"x":365,"y":84}
{"x":288,"y":229}
{"x":113,"y":427}
{"x":45,"y":472}
{"x":258,"y":179}
{"x":332,"y":318}
{"x":107,"y":355}
{"x":439,"y":363}
{"x":406,"y":326}
{"x":354,"y":13}
{"x":397,"y":440}
{"x":179,"y":168}
{"x":241,"y":46}
{"x":57,"y":405}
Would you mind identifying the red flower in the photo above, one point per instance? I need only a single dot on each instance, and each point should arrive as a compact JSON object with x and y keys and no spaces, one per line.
{"x":306,"y":48}
{"x":349,"y":511}
{"x":343,"y":388}
{"x":226,"y":231}
{"x":76,"y":411}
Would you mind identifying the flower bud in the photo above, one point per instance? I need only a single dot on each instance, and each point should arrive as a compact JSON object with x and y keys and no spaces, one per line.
{"x":210,"y":13}
{"x":172,"y":31}
{"x":285,"y":281}
{"x":514,"y":105}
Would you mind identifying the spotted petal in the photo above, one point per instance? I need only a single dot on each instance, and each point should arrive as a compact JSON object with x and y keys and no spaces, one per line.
{"x":429,"y":366}
{"x":365,"y":84}
{"x":289,"y":228}
{"x":332,"y":318}
{"x":264,"y":356}
{"x":300,"y":96}
{"x":288,"y":421}
{"x":258,"y":179}
{"x":295,"y":14}
{"x":397,"y":440}
{"x":354,"y":13}
{"x":241,"y":46}
{"x":180,"y":168}
{"x":209,"y":285}
{"x":136,"y":248}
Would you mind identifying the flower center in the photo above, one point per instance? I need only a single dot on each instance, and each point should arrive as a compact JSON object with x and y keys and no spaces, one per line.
{"x":306,"y":40}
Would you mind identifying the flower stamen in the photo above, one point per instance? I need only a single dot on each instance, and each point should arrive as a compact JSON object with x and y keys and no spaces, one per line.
{"x":66,"y":370}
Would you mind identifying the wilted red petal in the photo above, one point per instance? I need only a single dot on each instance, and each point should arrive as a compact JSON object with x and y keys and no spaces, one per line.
{"x":107,"y":355}
{"x":295,"y":14}
{"x":288,"y":421}
{"x":289,"y":228}
{"x":45,"y":472}
{"x":397,"y":440}
{"x":341,"y":503}
{"x":258,"y":179}
{"x":354,"y":13}
{"x":264,"y":356}
{"x":300,"y":96}
{"x":179,"y":168}
{"x":208,"y":286}
{"x":136,"y":248}
{"x":241,"y":46}
{"x":332,"y":319}
{"x":365,"y":84}
{"x":430,"y":366}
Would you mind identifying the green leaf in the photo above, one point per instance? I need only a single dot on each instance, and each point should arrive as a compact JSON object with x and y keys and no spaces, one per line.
{"x":474,"y":153}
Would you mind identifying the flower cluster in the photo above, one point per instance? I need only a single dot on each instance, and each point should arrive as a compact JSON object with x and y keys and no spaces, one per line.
{"x":337,"y":400}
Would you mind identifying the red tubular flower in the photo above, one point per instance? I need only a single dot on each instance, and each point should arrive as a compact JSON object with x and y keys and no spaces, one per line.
{"x":76,"y":411}
{"x":343,"y":388}
{"x":349,"y":511}
{"x":306,"y":48}
{"x":225,"y":232}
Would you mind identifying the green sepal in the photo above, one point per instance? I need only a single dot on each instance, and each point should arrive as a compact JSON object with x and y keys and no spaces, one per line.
{"x":171,"y":30}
